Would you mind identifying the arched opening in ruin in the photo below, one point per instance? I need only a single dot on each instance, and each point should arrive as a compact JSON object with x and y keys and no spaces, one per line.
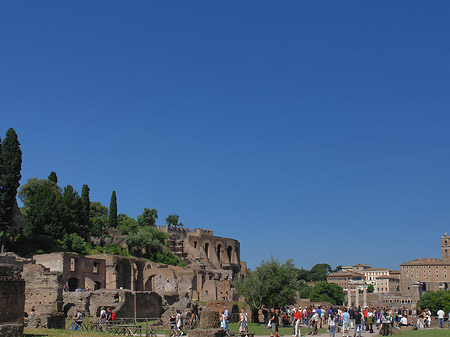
{"x":73,"y":284}
{"x":207,"y":250}
{"x":149,"y":286}
{"x":219,"y":252}
{"x":195,"y":244}
{"x":229,"y":252}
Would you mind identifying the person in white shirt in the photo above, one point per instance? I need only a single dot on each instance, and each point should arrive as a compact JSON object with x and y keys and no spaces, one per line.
{"x":441,"y":315}
{"x":404,"y":321}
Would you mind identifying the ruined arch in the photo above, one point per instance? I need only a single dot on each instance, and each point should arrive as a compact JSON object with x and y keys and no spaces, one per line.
{"x":149,"y":284}
{"x":230,"y":253}
{"x":73,"y":283}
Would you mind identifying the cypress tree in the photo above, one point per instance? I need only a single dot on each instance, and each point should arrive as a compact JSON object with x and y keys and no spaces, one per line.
{"x":11,"y":164}
{"x":53,"y":177}
{"x":85,"y":201}
{"x":113,"y":210}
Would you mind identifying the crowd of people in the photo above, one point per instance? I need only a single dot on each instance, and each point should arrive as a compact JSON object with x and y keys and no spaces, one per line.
{"x":344,"y":320}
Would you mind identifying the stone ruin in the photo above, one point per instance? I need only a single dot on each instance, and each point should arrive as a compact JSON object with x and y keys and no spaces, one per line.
{"x":43,"y":291}
{"x":12,"y":300}
{"x":122,"y":302}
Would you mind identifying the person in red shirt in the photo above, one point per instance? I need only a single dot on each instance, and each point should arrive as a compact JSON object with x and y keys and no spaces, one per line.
{"x":365,"y":312}
{"x":297,"y":321}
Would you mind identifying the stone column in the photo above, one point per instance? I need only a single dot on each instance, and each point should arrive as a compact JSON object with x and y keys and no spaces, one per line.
{"x":357,"y":295}
{"x":349,"y":296}
{"x":365,"y":295}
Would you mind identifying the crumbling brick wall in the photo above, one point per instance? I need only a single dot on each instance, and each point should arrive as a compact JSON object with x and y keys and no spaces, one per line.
{"x":43,"y":289}
{"x":12,"y":300}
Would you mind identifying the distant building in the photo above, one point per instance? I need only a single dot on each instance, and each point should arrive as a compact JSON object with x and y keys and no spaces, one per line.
{"x":371,"y":276}
{"x":343,"y":279}
{"x":424,"y":274}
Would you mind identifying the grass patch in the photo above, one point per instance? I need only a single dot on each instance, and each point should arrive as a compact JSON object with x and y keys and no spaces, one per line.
{"x":262,"y":330}
{"x":29,"y":332}
{"x":427,"y":333}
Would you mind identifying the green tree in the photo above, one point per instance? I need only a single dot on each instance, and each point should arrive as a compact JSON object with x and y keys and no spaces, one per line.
{"x":42,"y":209}
{"x":113,"y":210}
{"x":435,"y":300}
{"x":327,"y":292}
{"x":148,"y":218}
{"x":86,"y":209}
{"x":11,"y":165}
{"x":53,"y":177}
{"x":319,"y":272}
{"x":271,"y":284}
{"x":126,"y":225}
{"x":98,"y":216}
{"x":172,"y":220}
{"x":150,"y":243}
{"x":370,"y":288}
{"x":302,"y":274}
{"x":72,"y":210}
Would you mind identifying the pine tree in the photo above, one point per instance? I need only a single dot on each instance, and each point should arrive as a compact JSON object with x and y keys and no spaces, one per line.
{"x":11,"y":164}
{"x":85,"y":200}
{"x":53,"y":177}
{"x":113,"y":210}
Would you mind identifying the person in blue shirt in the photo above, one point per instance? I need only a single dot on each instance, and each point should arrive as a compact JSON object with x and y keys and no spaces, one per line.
{"x":345,"y":320}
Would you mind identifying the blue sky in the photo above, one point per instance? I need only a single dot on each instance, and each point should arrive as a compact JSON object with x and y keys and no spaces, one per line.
{"x":317,"y":131}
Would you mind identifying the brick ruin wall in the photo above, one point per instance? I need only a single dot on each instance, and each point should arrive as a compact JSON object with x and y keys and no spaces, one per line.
{"x":12,"y":300}
{"x":43,"y":291}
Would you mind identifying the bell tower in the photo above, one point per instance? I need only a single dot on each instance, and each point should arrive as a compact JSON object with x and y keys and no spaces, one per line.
{"x":445,"y":243}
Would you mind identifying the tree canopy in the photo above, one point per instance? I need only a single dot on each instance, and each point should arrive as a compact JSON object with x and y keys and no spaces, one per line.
{"x":327,"y":292}
{"x":10,"y":167}
{"x":271,"y":284}
{"x":435,"y":300}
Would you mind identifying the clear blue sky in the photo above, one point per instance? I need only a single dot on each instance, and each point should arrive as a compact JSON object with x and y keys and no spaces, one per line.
{"x":311,"y":130}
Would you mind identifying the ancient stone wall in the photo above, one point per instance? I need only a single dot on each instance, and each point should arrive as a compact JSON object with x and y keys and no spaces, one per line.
{"x":79,"y":300}
{"x":12,"y":300}
{"x":43,"y":289}
{"x":122,"y":302}
{"x":78,"y":271}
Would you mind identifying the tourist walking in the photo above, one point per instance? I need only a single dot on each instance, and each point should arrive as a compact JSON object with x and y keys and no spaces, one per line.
{"x":358,"y":322}
{"x":345,"y":320}
{"x":331,"y":325}
{"x":441,"y":315}
{"x":243,"y":319}
{"x":179,"y":322}
{"x":297,"y":321}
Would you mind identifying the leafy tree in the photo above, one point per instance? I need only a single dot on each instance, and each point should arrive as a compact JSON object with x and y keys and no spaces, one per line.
{"x":75,"y":243}
{"x":10,"y":166}
{"x":126,"y":225}
{"x":327,"y":292}
{"x":86,"y":208}
{"x":271,"y":284}
{"x":98,"y":215}
{"x":172,"y":220}
{"x":148,"y":218}
{"x":150,"y":243}
{"x":53,"y":177}
{"x":435,"y":300}
{"x":302,"y":274}
{"x":42,"y":209}
{"x":370,"y":288}
{"x":113,"y":211}
{"x":305,"y":291}
{"x":319,"y":272}
{"x":72,"y":211}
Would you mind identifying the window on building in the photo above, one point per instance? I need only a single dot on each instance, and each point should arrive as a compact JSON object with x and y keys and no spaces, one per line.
{"x":95,"y":268}
{"x":73,"y":264}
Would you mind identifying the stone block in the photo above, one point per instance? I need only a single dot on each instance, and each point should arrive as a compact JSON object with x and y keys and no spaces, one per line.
{"x":209,"y":319}
{"x":207,"y":333}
